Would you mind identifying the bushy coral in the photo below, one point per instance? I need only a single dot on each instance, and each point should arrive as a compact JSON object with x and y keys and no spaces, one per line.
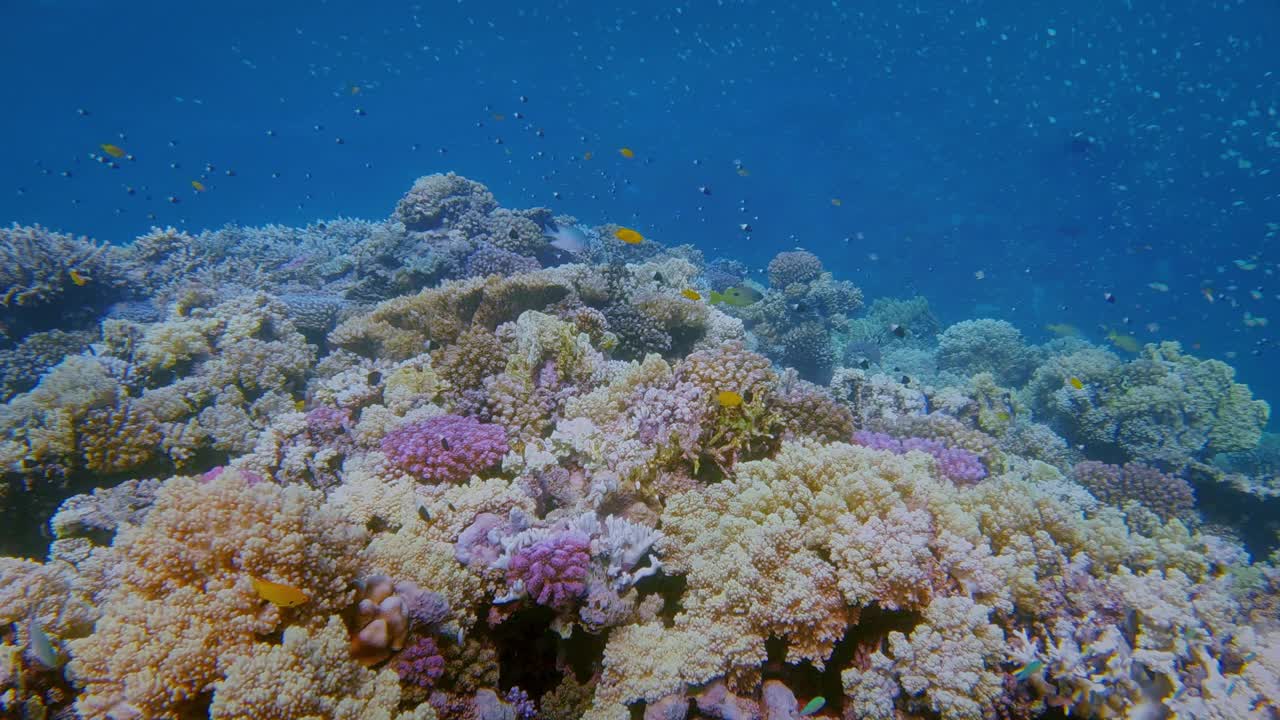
{"x":1169,"y":497}
{"x":420,"y":664}
{"x":442,"y":200}
{"x":956,"y":464}
{"x":986,"y":345}
{"x":552,"y":570}
{"x":445,"y":448}
{"x":181,"y":599}
{"x":794,"y":266}
{"x":1164,"y":407}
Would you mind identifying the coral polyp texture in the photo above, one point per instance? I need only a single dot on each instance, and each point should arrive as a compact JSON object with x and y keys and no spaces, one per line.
{"x":437,"y":467}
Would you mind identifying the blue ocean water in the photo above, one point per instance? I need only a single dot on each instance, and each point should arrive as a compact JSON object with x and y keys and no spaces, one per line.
{"x":1006,"y":159}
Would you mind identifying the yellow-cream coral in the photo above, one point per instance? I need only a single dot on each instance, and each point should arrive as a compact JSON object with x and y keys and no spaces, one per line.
{"x":182,"y":599}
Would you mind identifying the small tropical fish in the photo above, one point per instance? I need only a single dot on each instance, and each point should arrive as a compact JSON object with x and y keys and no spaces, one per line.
{"x":1208,"y":294}
{"x":1075,"y":383}
{"x":1128,"y":343}
{"x":278,"y":593}
{"x":626,"y":152}
{"x":114,"y":151}
{"x":743,"y":172}
{"x":837,"y":202}
{"x":1158,"y":286}
{"x":898,"y":330}
{"x":1242,"y":264}
{"x":355,"y":90}
{"x":979,"y":274}
{"x":1028,"y":670}
{"x":569,"y":239}
{"x":1063,"y":329}
{"x":813,"y":706}
{"x":737,"y":296}
{"x":729,"y":398}
{"x":199,"y":186}
{"x":586,"y":155}
{"x":77,"y":278}
{"x":41,"y":645}
{"x":628,"y":236}
{"x":691,"y":294}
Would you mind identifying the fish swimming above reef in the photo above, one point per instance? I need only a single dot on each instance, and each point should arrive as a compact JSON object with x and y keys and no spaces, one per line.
{"x":569,"y":238}
{"x":737,"y":296}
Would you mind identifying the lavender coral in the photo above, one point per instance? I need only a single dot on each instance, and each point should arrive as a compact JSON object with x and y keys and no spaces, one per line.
{"x":956,"y":464}
{"x":1167,"y":496}
{"x":420,"y":664}
{"x":553,"y":570}
{"x":445,"y":448}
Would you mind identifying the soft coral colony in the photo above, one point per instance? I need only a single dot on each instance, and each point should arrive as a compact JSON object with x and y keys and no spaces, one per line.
{"x":438,"y":467}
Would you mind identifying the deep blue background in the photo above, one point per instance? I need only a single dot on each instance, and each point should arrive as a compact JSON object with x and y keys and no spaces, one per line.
{"x":943,"y":129}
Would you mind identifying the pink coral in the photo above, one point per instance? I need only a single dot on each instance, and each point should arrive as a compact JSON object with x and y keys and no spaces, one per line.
{"x":421,"y":663}
{"x":956,"y":464}
{"x":554,"y":569}
{"x":445,"y":448}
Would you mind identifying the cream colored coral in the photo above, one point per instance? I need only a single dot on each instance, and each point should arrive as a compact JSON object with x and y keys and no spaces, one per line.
{"x":951,"y":659}
{"x":182,"y":597}
{"x":309,"y":674}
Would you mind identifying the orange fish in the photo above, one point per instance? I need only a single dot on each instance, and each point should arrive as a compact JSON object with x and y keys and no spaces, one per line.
{"x":729,"y":398}
{"x":626,"y":152}
{"x":1075,"y":383}
{"x":199,"y":186}
{"x":77,"y":278}
{"x":114,"y":151}
{"x":691,"y":294}
{"x":278,"y":594}
{"x":586,"y":155}
{"x":628,"y":236}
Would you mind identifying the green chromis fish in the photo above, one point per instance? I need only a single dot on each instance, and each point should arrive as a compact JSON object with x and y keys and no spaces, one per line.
{"x":813,"y":706}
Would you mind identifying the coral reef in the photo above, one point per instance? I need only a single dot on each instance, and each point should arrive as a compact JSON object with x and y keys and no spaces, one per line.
{"x":436,"y":467}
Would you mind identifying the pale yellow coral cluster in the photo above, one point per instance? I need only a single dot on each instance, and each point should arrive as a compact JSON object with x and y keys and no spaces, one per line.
{"x":182,"y":598}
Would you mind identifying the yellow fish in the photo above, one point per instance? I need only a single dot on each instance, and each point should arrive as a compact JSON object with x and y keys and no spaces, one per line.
{"x":77,"y":278}
{"x":626,"y":152}
{"x":199,"y":186}
{"x":737,"y":296}
{"x":1075,"y":383}
{"x":1127,"y":343}
{"x":628,"y":236}
{"x":691,"y":294}
{"x":1063,"y":329}
{"x":355,"y":89}
{"x":729,"y":398}
{"x":586,"y":155}
{"x":278,"y":593}
{"x":114,"y":151}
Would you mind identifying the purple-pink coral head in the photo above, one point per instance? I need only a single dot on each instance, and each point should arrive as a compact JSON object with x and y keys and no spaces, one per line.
{"x":553,"y":569}
{"x":421,"y":663}
{"x":445,"y":448}
{"x":956,"y":464}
